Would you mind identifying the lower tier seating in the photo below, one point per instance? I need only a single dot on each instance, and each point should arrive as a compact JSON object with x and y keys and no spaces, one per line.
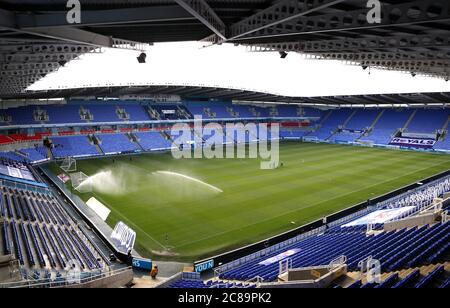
{"x":74,"y":146}
{"x":199,"y":284}
{"x":117,"y":143}
{"x":395,"y":250}
{"x":41,"y":234}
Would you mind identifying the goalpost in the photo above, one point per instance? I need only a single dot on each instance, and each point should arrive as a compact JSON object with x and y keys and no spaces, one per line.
{"x":69,"y":164}
{"x":80,"y":182}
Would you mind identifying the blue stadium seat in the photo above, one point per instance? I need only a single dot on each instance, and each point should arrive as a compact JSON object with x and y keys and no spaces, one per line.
{"x":116,"y":144}
{"x":428,"y":279}
{"x":421,"y":122}
{"x":74,"y":146}
{"x":153,"y":141}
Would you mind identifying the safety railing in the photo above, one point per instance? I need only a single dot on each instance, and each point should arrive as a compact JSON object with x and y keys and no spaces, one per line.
{"x":68,"y":280}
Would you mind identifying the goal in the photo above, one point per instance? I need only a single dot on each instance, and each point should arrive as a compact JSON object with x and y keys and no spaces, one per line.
{"x":80,"y":182}
{"x":69,"y":164}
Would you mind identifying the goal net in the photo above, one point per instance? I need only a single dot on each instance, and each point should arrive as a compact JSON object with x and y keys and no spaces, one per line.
{"x":80,"y":182}
{"x":69,"y":164}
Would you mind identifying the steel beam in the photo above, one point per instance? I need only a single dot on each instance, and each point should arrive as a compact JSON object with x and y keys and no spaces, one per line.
{"x":409,"y":65}
{"x":73,"y":35}
{"x":37,"y":58}
{"x":27,"y":72}
{"x":282,"y":12}
{"x":205,"y":14}
{"x":398,"y":56}
{"x":360,"y":44}
{"x":10,"y":21}
{"x":51,"y":48}
{"x":404,"y":14}
{"x":105,"y":17}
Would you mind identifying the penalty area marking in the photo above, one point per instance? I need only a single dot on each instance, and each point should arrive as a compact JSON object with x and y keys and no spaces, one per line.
{"x":305,"y":207}
{"x":134,"y":225}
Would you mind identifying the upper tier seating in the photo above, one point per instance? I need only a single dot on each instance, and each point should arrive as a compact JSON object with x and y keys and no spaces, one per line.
{"x":171,"y":112}
{"x":59,"y":114}
{"x":102,"y":112}
{"x":242,"y":111}
{"x":259,"y":112}
{"x":70,"y":113}
{"x":285,"y":111}
{"x":219,"y":110}
{"x":136,"y":112}
{"x":20,"y":115}
{"x":311,"y":112}
{"x":105,"y":111}
{"x":212,"y":110}
{"x":197,"y":109}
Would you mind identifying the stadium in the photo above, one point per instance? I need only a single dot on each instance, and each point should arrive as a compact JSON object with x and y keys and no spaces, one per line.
{"x":168,"y":185}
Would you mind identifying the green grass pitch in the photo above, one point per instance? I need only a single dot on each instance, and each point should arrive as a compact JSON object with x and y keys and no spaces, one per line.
{"x":192,"y":221}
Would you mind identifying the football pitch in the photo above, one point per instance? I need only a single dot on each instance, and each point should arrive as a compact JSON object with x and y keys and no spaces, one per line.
{"x":194,"y":208}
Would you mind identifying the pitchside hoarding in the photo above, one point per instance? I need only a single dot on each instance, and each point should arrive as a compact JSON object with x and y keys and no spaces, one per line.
{"x":420,"y":143}
{"x":123,"y":238}
{"x":204,"y":266}
{"x":142,"y":264}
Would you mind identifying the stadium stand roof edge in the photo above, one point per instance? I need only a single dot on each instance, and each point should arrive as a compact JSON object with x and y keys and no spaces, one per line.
{"x":237,"y":95}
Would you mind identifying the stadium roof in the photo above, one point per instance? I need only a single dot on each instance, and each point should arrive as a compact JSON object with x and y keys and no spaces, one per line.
{"x":412,"y":36}
{"x":247,"y":96}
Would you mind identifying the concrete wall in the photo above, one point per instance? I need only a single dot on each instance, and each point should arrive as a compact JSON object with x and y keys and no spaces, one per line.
{"x":116,"y":281}
{"x":9,"y":269}
{"x":318,"y":283}
{"x":310,"y":274}
{"x":169,"y":281}
{"x":411,"y":222}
